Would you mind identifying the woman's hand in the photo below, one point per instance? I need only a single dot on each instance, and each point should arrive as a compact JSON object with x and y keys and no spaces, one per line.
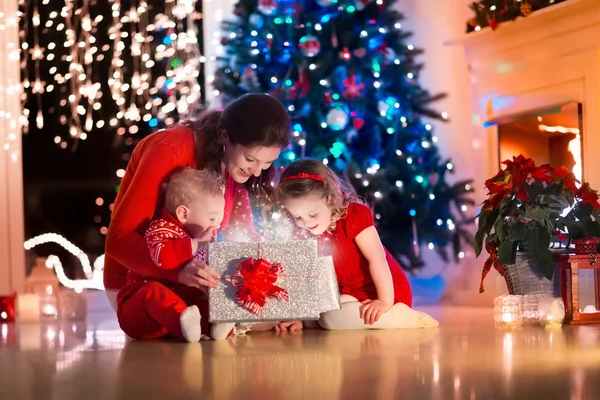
{"x":198,"y":274}
{"x":290,"y":326}
{"x":372,"y":310}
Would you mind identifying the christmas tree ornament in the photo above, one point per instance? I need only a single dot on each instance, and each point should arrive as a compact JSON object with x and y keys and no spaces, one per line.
{"x":353,"y":87}
{"x":267,"y":7}
{"x":325,"y":3}
{"x":337,"y":117}
{"x":358,"y":123}
{"x":345,"y":54}
{"x":525,"y":9}
{"x":360,"y":53}
{"x":493,"y":24}
{"x":310,"y":45}
{"x":361,"y":4}
{"x":256,"y":20}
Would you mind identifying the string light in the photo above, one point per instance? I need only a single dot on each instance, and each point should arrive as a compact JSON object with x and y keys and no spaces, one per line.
{"x":10,"y":86}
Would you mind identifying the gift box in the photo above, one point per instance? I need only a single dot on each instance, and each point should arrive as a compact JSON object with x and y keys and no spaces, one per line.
{"x":271,"y":281}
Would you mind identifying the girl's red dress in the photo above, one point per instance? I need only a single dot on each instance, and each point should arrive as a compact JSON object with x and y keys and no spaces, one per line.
{"x":351,"y":266}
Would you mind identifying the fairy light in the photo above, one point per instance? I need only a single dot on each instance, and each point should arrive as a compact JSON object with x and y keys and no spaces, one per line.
{"x":182,"y":57}
{"x":11,"y":116}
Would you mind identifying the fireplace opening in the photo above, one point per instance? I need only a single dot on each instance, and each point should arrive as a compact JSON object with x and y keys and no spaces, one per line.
{"x":548,"y":136}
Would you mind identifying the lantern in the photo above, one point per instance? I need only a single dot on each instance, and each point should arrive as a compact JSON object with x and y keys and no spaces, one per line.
{"x":43,"y":282}
{"x":580,"y":287}
{"x":7,"y":308}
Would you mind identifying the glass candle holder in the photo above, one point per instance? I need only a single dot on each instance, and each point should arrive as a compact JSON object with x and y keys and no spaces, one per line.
{"x":48,"y":307}
{"x":531,"y":314}
{"x":508,"y":312}
{"x":551,"y":311}
{"x":72,"y":305}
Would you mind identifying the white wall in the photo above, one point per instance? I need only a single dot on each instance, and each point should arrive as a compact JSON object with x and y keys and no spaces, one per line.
{"x":434,"y":22}
{"x":12,"y":253}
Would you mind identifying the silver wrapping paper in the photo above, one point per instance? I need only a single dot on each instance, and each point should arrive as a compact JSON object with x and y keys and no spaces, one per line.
{"x":328,"y":286}
{"x":304,"y":279}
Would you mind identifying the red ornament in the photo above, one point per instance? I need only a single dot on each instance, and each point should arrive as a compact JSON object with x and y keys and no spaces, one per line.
{"x":7,"y":308}
{"x":353,"y":89}
{"x":345,"y":55}
{"x":255,"y":279}
{"x":493,"y":24}
{"x":328,"y":98}
{"x":301,"y":87}
{"x":358,"y":123}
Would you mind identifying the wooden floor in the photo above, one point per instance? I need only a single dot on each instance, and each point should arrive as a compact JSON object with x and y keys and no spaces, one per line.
{"x":466,"y":358}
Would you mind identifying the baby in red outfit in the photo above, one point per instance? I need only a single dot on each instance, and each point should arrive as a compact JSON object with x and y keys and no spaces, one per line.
{"x":193,"y":211}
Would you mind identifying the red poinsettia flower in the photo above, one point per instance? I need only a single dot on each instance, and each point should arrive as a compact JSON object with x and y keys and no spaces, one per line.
{"x":542,"y":174}
{"x":571,"y":183}
{"x":588,"y":195}
{"x":561,"y":172}
{"x":522,"y":193}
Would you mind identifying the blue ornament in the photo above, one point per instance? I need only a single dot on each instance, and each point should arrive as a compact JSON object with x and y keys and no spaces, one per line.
{"x":337,"y":117}
{"x":256,"y":20}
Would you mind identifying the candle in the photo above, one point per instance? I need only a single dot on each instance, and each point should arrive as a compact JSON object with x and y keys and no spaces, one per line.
{"x":28,"y":307}
{"x":508,"y":312}
{"x":48,"y":307}
{"x":552,"y":311}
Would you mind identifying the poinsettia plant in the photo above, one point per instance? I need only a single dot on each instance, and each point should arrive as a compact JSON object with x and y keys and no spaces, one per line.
{"x":524,"y":211}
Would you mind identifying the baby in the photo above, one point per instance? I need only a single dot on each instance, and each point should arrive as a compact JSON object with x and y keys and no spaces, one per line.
{"x":193,"y":211}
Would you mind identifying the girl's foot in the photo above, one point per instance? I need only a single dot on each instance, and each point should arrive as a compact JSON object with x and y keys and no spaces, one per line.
{"x":426,"y":321}
{"x":221,"y":331}
{"x":190,"y":324}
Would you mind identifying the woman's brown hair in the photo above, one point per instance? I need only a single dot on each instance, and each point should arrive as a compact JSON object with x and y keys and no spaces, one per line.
{"x":336,"y":192}
{"x":252,"y":120}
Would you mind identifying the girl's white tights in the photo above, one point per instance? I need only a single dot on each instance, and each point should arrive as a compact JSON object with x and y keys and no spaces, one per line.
{"x":398,"y":317}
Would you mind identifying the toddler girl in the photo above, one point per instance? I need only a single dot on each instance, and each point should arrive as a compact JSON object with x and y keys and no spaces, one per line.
{"x":375,"y":293}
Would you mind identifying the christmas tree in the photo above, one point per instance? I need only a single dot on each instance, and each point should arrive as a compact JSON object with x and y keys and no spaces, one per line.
{"x":349,"y":78}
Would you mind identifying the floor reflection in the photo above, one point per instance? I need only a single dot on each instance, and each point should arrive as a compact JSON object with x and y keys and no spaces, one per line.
{"x":463,"y":359}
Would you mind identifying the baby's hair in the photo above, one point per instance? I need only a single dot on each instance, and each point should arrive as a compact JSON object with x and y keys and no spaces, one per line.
{"x":337,"y":192}
{"x":190,"y":184}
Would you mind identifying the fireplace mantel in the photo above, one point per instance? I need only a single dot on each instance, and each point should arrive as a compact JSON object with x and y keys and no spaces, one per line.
{"x":551,"y":57}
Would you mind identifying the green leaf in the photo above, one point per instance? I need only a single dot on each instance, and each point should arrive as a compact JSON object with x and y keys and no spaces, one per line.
{"x":517,"y":232}
{"x":593,"y":228}
{"x":535,"y":212}
{"x":478,"y":242}
{"x":534,"y":190}
{"x":537,"y":242}
{"x":575,"y":228}
{"x":500,"y":229}
{"x":546,"y":264}
{"x":507,"y":252}
{"x":583,"y":212}
{"x":557,"y":202}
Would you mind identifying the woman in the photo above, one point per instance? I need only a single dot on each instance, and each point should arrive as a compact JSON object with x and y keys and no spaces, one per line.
{"x":242,"y":142}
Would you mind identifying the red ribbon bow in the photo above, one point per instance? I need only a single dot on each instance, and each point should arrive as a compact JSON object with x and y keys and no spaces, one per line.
{"x":492,"y":261}
{"x":255,"y":280}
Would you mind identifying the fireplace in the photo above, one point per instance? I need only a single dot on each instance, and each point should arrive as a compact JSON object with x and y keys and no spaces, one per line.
{"x":535,"y":89}
{"x":548,"y":136}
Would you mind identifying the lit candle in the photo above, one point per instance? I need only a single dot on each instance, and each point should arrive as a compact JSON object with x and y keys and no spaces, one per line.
{"x":552,"y":311}
{"x":508,"y":312}
{"x":28,"y":307}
